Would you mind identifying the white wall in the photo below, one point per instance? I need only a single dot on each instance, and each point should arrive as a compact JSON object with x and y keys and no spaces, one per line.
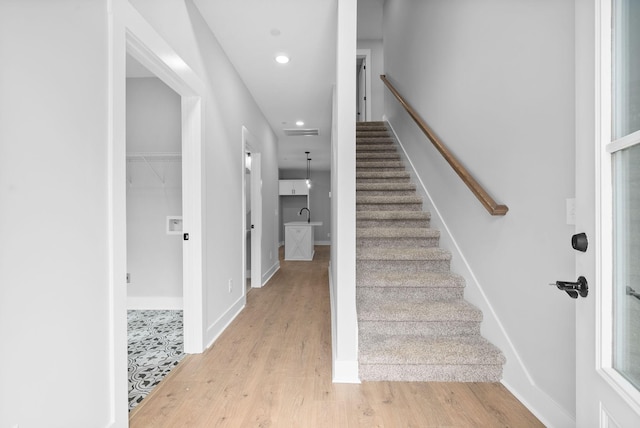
{"x":56,"y":303}
{"x":228,"y":106}
{"x":54,"y":271}
{"x":154,"y":258}
{"x":319,"y":203}
{"x":494,"y":79}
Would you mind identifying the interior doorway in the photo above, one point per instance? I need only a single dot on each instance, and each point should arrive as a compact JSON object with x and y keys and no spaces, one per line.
{"x":155,"y":333}
{"x":252,"y":201}
{"x":363,"y":85}
{"x":178,"y":78}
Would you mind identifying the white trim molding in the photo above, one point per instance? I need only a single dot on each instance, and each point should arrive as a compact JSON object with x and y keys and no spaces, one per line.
{"x":343,"y":371}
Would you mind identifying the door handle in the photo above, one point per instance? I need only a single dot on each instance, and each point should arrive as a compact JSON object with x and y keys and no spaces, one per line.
{"x":573,"y":289}
{"x":632,"y":292}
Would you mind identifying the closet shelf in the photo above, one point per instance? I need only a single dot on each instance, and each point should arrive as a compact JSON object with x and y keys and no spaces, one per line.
{"x":153,"y":156}
{"x":169,"y":156}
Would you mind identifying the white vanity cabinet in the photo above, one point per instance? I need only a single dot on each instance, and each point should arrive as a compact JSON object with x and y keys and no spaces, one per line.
{"x":299,"y":240}
{"x":293,"y":187}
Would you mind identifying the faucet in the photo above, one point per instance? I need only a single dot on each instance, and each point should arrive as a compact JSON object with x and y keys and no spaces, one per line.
{"x":308,"y":214}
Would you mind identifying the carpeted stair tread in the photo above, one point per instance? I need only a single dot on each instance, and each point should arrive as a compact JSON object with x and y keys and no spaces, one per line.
{"x":382,"y":175}
{"x":425,"y":311}
{"x":397,"y":232}
{"x":382,"y":200}
{"x":409,"y":280}
{"x":365,"y":133}
{"x":402,"y":254}
{"x":363,"y":148}
{"x":393,"y":215}
{"x":385,"y":156}
{"x":381,"y":164}
{"x":425,"y":350}
{"x":370,"y":187}
{"x":374,"y":140}
{"x":371,"y":123}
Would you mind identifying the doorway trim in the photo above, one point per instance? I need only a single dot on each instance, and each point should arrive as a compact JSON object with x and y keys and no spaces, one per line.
{"x":131,"y":33}
{"x":146,"y":46}
{"x":249,"y":143}
{"x":366,"y":55}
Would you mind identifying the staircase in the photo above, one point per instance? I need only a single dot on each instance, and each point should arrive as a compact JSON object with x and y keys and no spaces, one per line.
{"x":414,"y":324}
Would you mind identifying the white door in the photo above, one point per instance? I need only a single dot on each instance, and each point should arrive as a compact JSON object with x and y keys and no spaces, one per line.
{"x":608,"y":211}
{"x":362,"y":91}
{"x":252,"y":196}
{"x":256,"y":221}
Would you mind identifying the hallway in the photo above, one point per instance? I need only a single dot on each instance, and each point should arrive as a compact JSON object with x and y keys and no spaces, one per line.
{"x":272,"y":368}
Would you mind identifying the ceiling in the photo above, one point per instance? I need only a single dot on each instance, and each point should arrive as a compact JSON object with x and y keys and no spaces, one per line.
{"x":253,"y":32}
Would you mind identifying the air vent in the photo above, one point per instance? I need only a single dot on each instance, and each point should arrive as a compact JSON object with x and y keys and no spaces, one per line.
{"x":301,"y":132}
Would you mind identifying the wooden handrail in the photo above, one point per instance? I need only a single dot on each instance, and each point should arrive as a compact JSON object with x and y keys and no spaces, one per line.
{"x":475,"y":187}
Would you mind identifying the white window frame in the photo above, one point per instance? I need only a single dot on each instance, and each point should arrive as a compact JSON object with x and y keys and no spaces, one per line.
{"x":604,"y":210}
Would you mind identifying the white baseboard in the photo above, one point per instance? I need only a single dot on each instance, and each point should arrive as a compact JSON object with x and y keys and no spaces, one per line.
{"x":322,"y":242}
{"x":269,"y":273}
{"x":342,"y":371}
{"x":154,"y":303}
{"x":220,"y":325}
{"x":549,"y":412}
{"x":345,"y":371}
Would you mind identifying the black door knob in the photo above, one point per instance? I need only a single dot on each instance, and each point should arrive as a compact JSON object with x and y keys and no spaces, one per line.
{"x":579,"y":242}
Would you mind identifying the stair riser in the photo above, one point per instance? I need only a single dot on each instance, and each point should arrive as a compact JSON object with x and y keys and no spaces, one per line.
{"x":398,"y":192}
{"x":418,"y":328}
{"x":377,"y":157}
{"x":392,"y":223}
{"x":371,"y":123}
{"x":383,"y":175}
{"x":397,"y":242}
{"x":430,"y":373}
{"x":361,"y":133}
{"x":375,"y":144}
{"x":373,"y":180}
{"x":430,"y":294}
{"x":376,"y":129}
{"x":379,"y":167}
{"x":388,"y":207}
{"x":408,"y":266}
{"x":375,"y":148}
{"x":379,"y":170}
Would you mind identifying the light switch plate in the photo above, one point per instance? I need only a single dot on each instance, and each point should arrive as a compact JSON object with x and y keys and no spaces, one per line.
{"x":571,"y":211}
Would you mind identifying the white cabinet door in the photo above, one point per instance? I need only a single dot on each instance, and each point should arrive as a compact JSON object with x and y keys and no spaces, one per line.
{"x":293,"y":187}
{"x":300,"y":187}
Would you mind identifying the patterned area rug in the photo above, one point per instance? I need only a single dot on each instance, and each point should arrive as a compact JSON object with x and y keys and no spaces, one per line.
{"x":155,"y":346}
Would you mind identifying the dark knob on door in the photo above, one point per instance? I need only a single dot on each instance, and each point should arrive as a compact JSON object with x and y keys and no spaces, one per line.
{"x":579,"y":242}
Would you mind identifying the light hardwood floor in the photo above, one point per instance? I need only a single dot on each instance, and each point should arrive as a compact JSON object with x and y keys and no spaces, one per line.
{"x":272,"y":368}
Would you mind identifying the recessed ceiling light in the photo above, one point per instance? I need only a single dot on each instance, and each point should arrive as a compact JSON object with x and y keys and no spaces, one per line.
{"x":282,"y":59}
{"x":299,"y":123}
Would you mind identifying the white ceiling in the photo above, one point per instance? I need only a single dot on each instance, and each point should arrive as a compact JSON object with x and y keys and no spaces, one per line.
{"x":253,"y":32}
